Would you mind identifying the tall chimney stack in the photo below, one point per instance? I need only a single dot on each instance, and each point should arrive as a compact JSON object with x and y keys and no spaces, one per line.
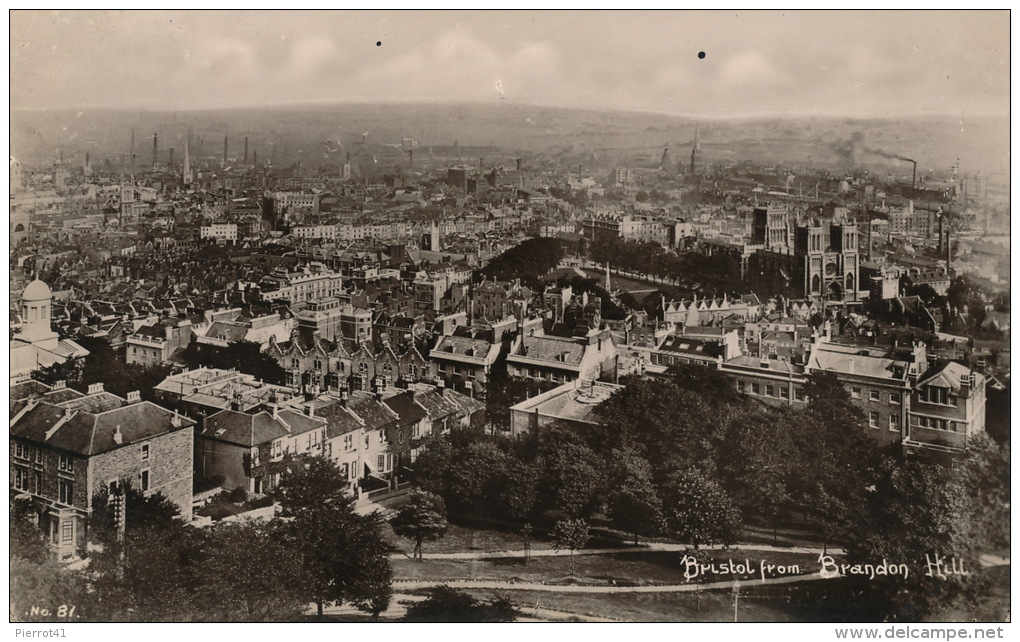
{"x":245,"y":150}
{"x":171,"y":164}
{"x":224,"y":149}
{"x":518,"y":164}
{"x":913,"y":181}
{"x":155,"y":149}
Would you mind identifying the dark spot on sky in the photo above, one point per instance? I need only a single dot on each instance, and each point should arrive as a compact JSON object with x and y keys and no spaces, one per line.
{"x":701,"y":55}
{"x":378,"y":43}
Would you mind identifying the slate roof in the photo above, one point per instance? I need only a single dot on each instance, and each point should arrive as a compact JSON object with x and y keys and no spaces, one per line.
{"x":949,"y":376}
{"x":406,"y":408}
{"x":372,"y":412}
{"x":87,"y":433}
{"x":339,"y":420}
{"x":242,"y":429}
{"x":552,"y":349}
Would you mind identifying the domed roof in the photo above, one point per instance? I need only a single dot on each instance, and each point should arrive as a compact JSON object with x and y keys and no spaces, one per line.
{"x":37,"y":291}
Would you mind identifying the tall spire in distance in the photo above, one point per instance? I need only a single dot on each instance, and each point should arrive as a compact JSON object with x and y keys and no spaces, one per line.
{"x":696,"y":152}
{"x":187,"y":160}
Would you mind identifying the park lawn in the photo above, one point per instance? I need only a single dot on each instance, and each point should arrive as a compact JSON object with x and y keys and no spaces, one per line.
{"x":715,"y":606}
{"x":462,"y":539}
{"x":622,"y":569}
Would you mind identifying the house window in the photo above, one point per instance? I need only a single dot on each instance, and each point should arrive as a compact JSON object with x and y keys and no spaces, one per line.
{"x":784,"y":392}
{"x":38,"y":484}
{"x":20,"y":451}
{"x":66,"y":492}
{"x":416,"y":431}
{"x":20,"y":479}
{"x":798,"y":394}
{"x":145,"y":480}
{"x":755,"y":388}
{"x":770,"y":391}
{"x":894,"y":397}
{"x":894,"y":423}
{"x":875,"y":395}
{"x":381,"y":462}
{"x":873,"y":419}
{"x":67,"y":531}
{"x":145,"y":452}
{"x":367,"y":441}
{"x":66,"y":464}
{"x":855,"y":393}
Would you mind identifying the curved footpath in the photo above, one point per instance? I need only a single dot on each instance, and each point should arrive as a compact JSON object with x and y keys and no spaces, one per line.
{"x":567,"y":588}
{"x":650,"y":547}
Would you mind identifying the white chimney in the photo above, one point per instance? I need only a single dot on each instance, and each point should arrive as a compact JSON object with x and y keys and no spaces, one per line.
{"x":134,"y":396}
{"x":95,"y":388}
{"x":118,"y":438}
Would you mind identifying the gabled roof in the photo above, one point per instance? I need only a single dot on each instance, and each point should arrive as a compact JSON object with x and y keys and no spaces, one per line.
{"x":371,"y":411}
{"x":408,"y":411}
{"x":243,"y":429}
{"x":949,"y":376}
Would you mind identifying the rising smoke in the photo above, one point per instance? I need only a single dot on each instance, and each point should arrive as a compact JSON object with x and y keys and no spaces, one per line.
{"x":847,"y":151}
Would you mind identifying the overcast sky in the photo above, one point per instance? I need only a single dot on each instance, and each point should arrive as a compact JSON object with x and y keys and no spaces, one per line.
{"x":755,"y":63}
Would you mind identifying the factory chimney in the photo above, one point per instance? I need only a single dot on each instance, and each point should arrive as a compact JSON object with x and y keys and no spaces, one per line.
{"x":245,"y":150}
{"x":155,"y":149}
{"x":224,"y":150}
{"x":913,"y":181}
{"x":171,"y":163}
{"x":518,"y":164}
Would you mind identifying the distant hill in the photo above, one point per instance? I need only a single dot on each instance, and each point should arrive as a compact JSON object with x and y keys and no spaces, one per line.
{"x":593,"y":138}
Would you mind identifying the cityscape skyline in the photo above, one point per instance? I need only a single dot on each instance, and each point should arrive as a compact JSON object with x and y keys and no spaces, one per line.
{"x":689,"y":63}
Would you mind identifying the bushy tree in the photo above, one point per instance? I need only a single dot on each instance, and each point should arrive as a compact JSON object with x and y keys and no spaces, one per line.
{"x":421,"y":519}
{"x":342,"y":554}
{"x":445,"y":604}
{"x":634,"y":503}
{"x":573,"y":479}
{"x":570,"y":534}
{"x":309,"y":482}
{"x":696,"y":510}
{"x":253,"y":574}
{"x":914,"y":512}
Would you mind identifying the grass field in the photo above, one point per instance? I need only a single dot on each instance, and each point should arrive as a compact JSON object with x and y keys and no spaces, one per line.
{"x":708,"y":606}
{"x":619,"y":569}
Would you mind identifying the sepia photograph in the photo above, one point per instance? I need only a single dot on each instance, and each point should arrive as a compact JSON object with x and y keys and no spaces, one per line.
{"x":489,"y":316}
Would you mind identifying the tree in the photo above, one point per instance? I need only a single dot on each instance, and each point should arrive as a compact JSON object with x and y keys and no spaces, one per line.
{"x":151,"y":575}
{"x":245,"y":356}
{"x":308,"y":482}
{"x":571,"y":534}
{"x":27,"y":540}
{"x":445,"y":604}
{"x":915,"y":510}
{"x":574,"y":479}
{"x":477,"y":476}
{"x":253,"y":574}
{"x":985,"y":474}
{"x":634,"y":503}
{"x":836,"y":454}
{"x":343,"y":555}
{"x":696,"y":510}
{"x":421,"y":519}
{"x":45,"y":591}
{"x":433,"y":465}
{"x":759,"y":465}
{"x":140,"y":511}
